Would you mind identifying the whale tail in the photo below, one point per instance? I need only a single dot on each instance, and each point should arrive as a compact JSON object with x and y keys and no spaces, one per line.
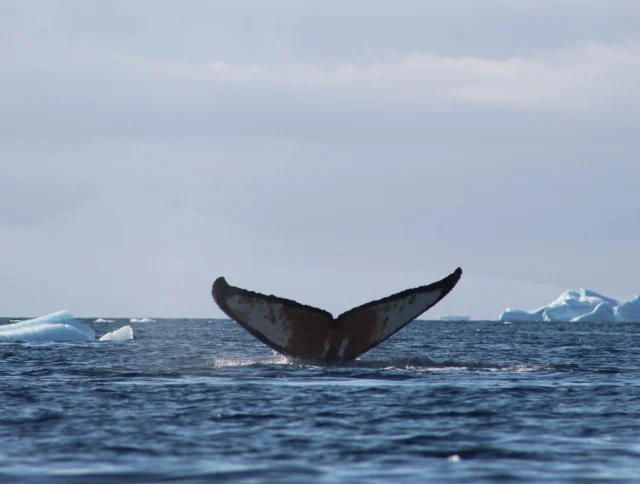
{"x":301,"y":331}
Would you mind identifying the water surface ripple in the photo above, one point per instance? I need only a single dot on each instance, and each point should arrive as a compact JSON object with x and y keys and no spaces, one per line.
{"x":201,"y":401}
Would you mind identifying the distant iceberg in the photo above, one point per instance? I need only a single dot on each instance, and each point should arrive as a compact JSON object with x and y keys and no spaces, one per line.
{"x":455,"y":318}
{"x":123,"y":334}
{"x":142,"y":320}
{"x":580,"y":306}
{"x":102,"y":320}
{"x":59,"y":326}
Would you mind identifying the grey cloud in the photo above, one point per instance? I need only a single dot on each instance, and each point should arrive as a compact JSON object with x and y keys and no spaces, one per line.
{"x":350,"y":29}
{"x":587,"y":93}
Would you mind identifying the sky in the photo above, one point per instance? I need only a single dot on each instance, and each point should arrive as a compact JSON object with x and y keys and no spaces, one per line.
{"x":331,"y":152}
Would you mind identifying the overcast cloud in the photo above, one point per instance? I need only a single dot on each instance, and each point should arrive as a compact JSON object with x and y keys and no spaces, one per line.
{"x":331,"y":152}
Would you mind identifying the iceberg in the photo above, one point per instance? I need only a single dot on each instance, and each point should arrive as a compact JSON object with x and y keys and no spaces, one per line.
{"x":102,"y":320}
{"x":123,"y":334}
{"x":580,"y":305}
{"x":511,"y":314}
{"x":142,"y":320}
{"x":603,"y":312}
{"x":629,"y":311}
{"x":58,"y":326}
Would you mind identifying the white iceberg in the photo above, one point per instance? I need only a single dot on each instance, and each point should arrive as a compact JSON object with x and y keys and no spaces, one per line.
{"x":123,"y":334}
{"x":102,"y":320}
{"x":142,"y":320}
{"x":602,"y":312}
{"x":511,"y":314}
{"x":580,"y":306}
{"x":629,"y":311}
{"x":58,"y":326}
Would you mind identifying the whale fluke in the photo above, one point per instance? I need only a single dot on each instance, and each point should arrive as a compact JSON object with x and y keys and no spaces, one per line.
{"x":301,"y":331}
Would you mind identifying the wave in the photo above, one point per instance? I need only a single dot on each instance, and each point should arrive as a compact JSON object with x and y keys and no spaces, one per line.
{"x":236,"y":362}
{"x":411,"y":364}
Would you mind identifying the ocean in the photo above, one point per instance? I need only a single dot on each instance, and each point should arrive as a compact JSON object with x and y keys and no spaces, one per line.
{"x":440,"y":401}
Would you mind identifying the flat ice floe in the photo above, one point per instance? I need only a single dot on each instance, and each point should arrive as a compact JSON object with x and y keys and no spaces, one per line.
{"x":142,"y":320}
{"x":58,"y":326}
{"x":453,"y":317}
{"x":102,"y":320}
{"x":581,"y":305}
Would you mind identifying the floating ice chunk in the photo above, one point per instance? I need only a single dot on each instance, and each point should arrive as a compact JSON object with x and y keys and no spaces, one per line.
{"x":59,"y":326}
{"x":142,"y":320}
{"x":511,"y":314}
{"x":581,"y":305}
{"x":101,"y":320}
{"x":44,"y":332}
{"x":123,"y":334}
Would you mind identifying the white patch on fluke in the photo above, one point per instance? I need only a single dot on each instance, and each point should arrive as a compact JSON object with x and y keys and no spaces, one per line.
{"x":326,"y":347}
{"x":343,"y":347}
{"x":406,"y":310}
{"x":265,"y":318}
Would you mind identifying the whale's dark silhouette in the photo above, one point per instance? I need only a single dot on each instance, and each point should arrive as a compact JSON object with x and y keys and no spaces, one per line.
{"x":301,"y":331}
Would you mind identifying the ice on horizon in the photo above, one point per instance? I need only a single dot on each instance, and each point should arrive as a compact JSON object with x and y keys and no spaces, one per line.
{"x":103,"y":320}
{"x":142,"y":320}
{"x":580,"y":305}
{"x":58,"y":326}
{"x":455,"y":318}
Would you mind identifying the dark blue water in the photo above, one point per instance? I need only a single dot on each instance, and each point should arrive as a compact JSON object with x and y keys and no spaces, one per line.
{"x":198,"y":401}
